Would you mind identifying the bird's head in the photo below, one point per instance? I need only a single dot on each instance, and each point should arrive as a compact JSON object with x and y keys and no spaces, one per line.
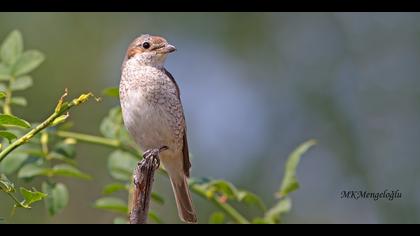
{"x":149,"y":50}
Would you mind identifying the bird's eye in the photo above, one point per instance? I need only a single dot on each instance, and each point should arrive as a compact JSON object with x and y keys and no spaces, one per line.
{"x":146,"y":45}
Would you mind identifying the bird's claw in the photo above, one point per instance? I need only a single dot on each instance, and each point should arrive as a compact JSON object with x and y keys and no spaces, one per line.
{"x":154,"y":154}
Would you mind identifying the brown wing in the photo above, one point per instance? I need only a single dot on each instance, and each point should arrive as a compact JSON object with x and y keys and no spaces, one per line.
{"x":185,"y":152}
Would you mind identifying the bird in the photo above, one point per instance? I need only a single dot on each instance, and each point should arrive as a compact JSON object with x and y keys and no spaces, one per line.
{"x":153,"y":113}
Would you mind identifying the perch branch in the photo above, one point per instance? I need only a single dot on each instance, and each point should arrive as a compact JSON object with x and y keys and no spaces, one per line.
{"x":143,"y":181}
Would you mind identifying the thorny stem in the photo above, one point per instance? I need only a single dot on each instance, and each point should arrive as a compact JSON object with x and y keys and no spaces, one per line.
{"x":62,"y":107}
{"x":228,"y":209}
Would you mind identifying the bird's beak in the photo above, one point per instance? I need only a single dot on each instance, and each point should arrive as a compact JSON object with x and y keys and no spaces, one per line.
{"x":169,"y":48}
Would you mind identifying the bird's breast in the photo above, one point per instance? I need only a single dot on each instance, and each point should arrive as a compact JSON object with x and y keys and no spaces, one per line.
{"x":148,"y":101}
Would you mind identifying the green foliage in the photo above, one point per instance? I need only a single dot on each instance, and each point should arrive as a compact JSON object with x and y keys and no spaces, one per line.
{"x":27,"y":62}
{"x":13,"y":120}
{"x":121,"y":165}
{"x":21,"y":83}
{"x":154,"y":217}
{"x":32,"y":154}
{"x":8,"y":135}
{"x":290,"y":182}
{"x":111,"y":92}
{"x":13,"y":163}
{"x":5,"y":184}
{"x":12,"y":48}
{"x":217,"y":218}
{"x":120,"y":220}
{"x":30,"y":197}
{"x":48,"y":151}
{"x":114,"y":187}
{"x":112,"y":204}
{"x":58,"y":197}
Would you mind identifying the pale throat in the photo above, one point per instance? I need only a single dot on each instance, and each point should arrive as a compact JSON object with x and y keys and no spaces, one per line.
{"x":148,"y":59}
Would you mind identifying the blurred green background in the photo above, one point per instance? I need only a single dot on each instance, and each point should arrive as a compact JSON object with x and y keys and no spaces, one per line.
{"x":254,"y":86}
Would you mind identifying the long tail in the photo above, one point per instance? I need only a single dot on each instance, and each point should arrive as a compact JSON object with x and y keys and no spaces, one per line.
{"x":183,"y":198}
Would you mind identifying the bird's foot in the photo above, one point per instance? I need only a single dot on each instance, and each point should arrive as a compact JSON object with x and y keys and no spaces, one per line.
{"x":154,"y":154}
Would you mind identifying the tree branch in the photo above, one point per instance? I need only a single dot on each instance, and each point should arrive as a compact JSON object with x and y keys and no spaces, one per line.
{"x":143,"y":181}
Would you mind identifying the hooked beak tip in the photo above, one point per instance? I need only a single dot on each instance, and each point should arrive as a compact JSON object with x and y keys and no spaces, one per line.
{"x":170,"y":48}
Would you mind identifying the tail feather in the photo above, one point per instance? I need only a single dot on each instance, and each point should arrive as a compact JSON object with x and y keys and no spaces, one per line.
{"x":183,"y":199}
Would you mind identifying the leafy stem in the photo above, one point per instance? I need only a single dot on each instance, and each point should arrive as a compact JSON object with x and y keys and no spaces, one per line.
{"x":61,"y":108}
{"x":228,"y":209}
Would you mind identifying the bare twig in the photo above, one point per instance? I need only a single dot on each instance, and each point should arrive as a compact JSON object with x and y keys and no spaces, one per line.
{"x":143,"y":181}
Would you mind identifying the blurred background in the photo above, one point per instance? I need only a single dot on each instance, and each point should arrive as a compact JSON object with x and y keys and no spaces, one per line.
{"x":254,"y":86}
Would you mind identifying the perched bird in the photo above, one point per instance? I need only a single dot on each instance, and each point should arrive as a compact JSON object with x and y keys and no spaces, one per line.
{"x":153,"y":113}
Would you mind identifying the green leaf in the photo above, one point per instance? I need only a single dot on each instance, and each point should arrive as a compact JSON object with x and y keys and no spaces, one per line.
{"x":4,"y":73}
{"x":13,"y":162}
{"x":157,"y":198}
{"x":27,"y":62}
{"x":111,"y":204}
{"x":290,"y":183}
{"x":9,"y":136}
{"x":6,"y":185}
{"x":58,"y":197}
{"x":21,"y":83}
{"x":112,"y":92}
{"x":111,"y":188}
{"x":12,"y":48}
{"x":32,"y":170}
{"x":154,"y":217}
{"x":66,"y":149}
{"x":112,"y":126}
{"x":224,"y":188}
{"x":274,"y":214}
{"x":31,"y":196}
{"x":251,"y":199}
{"x":217,"y":218}
{"x":120,"y":220}
{"x":19,"y":101}
{"x":13,"y":120}
{"x":121,"y":165}
{"x":58,"y":156}
{"x":2,"y":95}
{"x":69,"y":171}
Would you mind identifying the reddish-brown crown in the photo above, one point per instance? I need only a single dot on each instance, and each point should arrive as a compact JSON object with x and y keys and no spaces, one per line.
{"x":137,"y":45}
